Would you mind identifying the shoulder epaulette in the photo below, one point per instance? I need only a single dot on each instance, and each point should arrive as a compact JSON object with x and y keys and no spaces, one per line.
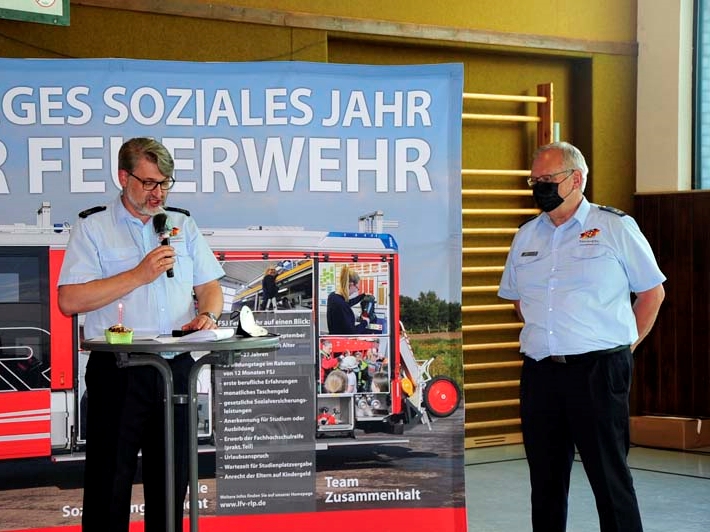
{"x":612,"y":210}
{"x":176,"y":209}
{"x":528,"y":220}
{"x":92,"y":210}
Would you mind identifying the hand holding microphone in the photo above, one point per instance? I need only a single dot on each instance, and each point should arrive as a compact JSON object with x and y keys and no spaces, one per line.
{"x":160,"y":221}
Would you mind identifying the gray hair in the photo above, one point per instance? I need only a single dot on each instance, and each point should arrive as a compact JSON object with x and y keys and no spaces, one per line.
{"x":138,"y":148}
{"x":571,"y":158}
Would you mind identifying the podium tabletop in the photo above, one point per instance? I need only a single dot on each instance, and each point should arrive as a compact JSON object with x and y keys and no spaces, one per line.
{"x":235,"y":343}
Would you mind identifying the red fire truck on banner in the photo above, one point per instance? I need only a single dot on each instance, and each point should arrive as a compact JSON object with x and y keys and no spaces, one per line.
{"x":42,"y":393}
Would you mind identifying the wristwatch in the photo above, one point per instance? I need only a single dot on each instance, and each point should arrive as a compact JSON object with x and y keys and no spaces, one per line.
{"x":209,"y":315}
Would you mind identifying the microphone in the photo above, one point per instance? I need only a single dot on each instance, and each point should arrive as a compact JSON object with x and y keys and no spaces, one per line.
{"x":160,"y":221}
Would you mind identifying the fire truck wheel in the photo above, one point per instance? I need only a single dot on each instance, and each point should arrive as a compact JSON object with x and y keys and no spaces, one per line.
{"x":441,"y":396}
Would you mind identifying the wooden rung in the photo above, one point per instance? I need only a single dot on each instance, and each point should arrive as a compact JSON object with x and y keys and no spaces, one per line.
{"x":490,"y":230}
{"x":486,"y":347}
{"x":479,"y":289}
{"x":500,"y":212}
{"x":482,"y":269}
{"x":490,"y":385}
{"x":502,"y":118}
{"x":493,"y":365}
{"x":492,"y":404}
{"x":487,"y":308}
{"x":482,"y":171}
{"x":486,"y":250}
{"x":492,"y":326}
{"x":502,"y":97}
{"x":494,"y":192}
{"x":488,"y":424}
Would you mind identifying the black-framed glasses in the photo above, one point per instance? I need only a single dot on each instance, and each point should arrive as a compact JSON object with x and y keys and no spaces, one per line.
{"x":549,"y":178}
{"x":149,"y":185}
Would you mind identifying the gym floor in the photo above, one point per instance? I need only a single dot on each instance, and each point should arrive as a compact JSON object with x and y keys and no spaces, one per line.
{"x":673,"y":489}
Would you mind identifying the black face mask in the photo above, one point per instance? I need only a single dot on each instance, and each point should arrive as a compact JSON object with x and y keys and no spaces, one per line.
{"x":546,"y":196}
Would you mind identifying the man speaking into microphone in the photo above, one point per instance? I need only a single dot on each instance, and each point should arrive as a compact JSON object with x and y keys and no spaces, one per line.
{"x":114,"y":255}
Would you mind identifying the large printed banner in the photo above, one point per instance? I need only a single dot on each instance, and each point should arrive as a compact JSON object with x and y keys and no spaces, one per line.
{"x":343,"y":149}
{"x":267,"y":144}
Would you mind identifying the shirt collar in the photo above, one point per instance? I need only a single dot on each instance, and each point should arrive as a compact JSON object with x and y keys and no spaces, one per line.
{"x":582,"y":211}
{"x":121,"y":214}
{"x":579,"y":216}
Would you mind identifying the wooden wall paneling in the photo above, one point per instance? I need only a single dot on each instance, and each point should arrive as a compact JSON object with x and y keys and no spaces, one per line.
{"x":673,"y":363}
{"x":700,"y":280}
{"x":646,"y":355}
{"x":652,"y":378}
{"x":678,"y":230}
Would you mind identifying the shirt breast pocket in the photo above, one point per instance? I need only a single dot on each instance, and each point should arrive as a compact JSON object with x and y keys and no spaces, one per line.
{"x":183,"y":260}
{"x":591,"y":253}
{"x":530,"y":271}
{"x":115,"y":260}
{"x":593,"y":262}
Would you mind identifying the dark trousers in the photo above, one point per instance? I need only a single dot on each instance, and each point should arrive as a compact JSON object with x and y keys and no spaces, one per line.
{"x":584,"y":403}
{"x":125,"y":416}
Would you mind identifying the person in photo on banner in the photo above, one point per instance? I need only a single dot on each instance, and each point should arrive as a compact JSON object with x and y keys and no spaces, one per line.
{"x":339,"y":314}
{"x":328,"y":362}
{"x":269,"y":289}
{"x":585,"y":283}
{"x":114,"y":258}
{"x":349,"y":365}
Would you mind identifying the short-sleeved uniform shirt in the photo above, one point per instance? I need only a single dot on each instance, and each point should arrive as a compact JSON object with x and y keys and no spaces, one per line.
{"x":113,"y":241}
{"x":574,"y":281}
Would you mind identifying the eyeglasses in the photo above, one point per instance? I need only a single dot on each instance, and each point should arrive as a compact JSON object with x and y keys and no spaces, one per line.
{"x":149,"y":185}
{"x":548,"y":178}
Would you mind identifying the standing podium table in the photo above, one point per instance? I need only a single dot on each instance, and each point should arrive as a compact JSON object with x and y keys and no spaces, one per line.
{"x":147,"y":353}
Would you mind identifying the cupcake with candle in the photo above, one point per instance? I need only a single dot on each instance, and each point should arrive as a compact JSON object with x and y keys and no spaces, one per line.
{"x":119,"y":333}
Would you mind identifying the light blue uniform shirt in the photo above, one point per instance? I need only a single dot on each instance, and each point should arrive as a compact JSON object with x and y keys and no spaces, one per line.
{"x":113,"y":241}
{"x":574,"y":281}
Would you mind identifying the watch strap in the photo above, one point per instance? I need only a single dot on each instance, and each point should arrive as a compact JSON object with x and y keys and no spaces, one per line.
{"x":209,"y":315}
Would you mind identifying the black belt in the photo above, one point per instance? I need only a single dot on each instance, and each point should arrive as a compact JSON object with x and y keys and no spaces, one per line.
{"x":583,"y":357}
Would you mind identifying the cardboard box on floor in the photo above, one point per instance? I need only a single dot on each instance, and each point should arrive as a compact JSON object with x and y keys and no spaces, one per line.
{"x":670,"y":432}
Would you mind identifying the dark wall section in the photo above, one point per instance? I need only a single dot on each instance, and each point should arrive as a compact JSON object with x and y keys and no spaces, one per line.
{"x":672,"y":374}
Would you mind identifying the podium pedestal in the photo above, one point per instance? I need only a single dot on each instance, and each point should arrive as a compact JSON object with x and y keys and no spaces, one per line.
{"x":147,"y":353}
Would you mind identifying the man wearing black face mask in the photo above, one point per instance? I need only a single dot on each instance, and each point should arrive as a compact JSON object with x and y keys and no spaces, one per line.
{"x":570,"y":273}
{"x":546,"y":193}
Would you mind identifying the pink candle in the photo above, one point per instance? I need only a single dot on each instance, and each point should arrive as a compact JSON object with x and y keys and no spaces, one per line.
{"x":120,"y":313}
